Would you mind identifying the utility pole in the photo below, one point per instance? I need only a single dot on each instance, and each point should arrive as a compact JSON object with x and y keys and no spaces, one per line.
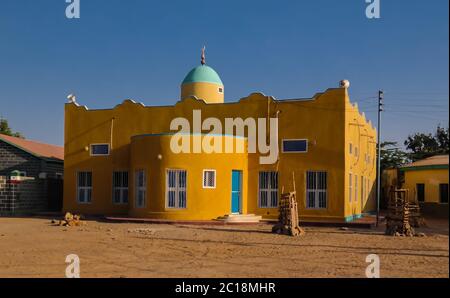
{"x":380,"y":109}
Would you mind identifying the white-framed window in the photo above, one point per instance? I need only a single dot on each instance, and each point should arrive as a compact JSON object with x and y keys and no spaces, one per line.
{"x":220,"y":89}
{"x":350,"y":188}
{"x":268,"y":190}
{"x":120,"y":187}
{"x":84,"y":187}
{"x":209,"y":178}
{"x":350,"y":148}
{"x":140,"y":192}
{"x":176,"y":184}
{"x":356,"y":188}
{"x":316,"y":189}
{"x":99,"y":149}
{"x":294,"y":146}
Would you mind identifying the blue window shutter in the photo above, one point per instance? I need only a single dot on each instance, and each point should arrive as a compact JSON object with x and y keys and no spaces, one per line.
{"x":100,"y":149}
{"x":295,"y":145}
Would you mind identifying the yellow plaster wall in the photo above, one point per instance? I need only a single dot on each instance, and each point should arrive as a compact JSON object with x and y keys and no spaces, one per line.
{"x":209,"y":92}
{"x":431,"y":178}
{"x":389,"y":180}
{"x":152,"y":154}
{"x":324,"y":120}
{"x":362,"y":137}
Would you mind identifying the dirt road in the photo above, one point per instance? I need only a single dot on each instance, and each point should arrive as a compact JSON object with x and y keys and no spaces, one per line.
{"x":31,"y":247}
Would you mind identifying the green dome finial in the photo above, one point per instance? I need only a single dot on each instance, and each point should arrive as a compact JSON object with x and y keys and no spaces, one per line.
{"x":202,"y":73}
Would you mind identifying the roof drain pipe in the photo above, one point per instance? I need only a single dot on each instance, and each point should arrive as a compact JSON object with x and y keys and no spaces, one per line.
{"x":268,"y":121}
{"x":111,"y":134}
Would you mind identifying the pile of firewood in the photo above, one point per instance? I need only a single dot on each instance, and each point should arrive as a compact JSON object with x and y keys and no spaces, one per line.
{"x":70,"y":220}
{"x":402,"y":214}
{"x":288,"y":216}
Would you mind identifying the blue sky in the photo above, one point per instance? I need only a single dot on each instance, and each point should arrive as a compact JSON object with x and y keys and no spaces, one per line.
{"x":142,"y":49}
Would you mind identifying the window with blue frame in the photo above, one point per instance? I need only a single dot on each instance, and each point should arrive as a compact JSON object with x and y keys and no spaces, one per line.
{"x":99,"y":149}
{"x":295,"y":146}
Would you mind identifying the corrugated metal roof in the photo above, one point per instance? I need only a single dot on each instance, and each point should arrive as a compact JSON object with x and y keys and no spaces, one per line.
{"x":35,"y":148}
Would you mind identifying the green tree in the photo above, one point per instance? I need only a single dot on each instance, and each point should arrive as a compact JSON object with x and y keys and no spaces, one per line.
{"x":442,"y":137}
{"x":424,"y":145}
{"x":6,"y":130}
{"x":392,"y":156}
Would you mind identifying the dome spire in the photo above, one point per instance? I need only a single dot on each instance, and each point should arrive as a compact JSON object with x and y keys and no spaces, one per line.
{"x":203,"y":59}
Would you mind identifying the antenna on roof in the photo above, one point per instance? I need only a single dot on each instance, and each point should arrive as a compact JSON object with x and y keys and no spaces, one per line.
{"x":203,"y":61}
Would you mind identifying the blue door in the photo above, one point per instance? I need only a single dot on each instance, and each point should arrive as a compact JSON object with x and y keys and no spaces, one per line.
{"x":236,"y":191}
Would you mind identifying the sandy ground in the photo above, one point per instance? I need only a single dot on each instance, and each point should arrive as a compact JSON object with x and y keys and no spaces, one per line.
{"x":32,"y":247}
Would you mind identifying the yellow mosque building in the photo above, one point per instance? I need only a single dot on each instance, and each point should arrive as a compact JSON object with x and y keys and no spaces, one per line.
{"x":120,"y":161}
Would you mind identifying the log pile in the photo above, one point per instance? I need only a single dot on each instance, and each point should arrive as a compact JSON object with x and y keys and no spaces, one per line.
{"x":288,"y":216}
{"x":70,"y":220}
{"x":403,"y":215}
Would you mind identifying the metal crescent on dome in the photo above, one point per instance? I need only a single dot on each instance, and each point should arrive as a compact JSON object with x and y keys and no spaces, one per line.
{"x":203,"y":58}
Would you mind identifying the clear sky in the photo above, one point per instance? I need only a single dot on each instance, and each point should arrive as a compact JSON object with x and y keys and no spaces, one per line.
{"x":142,"y":49}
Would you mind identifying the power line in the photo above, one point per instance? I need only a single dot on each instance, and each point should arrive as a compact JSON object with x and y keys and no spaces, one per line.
{"x":417,"y":111}
{"x":419,"y":99}
{"x":415,"y":115}
{"x":412,"y":104}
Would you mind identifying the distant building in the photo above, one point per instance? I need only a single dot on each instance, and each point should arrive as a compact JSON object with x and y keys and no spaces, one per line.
{"x":119,"y":160}
{"x":31,"y":176}
{"x":390,"y":178}
{"x":427,"y":179}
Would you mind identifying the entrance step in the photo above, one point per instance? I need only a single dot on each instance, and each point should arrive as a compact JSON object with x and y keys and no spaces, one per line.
{"x":236,"y":218}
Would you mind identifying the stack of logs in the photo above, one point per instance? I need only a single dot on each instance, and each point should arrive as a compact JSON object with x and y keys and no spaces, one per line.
{"x":70,"y":220}
{"x":403,"y":215}
{"x":288,"y":216}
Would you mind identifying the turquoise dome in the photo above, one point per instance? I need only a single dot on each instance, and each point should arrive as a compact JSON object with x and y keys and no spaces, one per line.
{"x":203,"y":74}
